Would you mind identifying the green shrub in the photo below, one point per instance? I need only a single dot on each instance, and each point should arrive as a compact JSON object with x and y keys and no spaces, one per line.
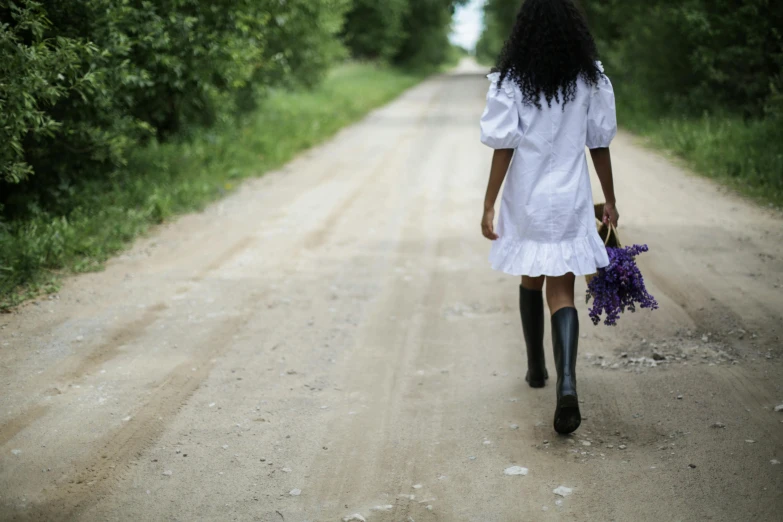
{"x":303,"y":41}
{"x":82,"y":83}
{"x":703,"y":80}
{"x":499,"y":18}
{"x":57,"y":113}
{"x":373,"y":30}
{"x":695,"y":55}
{"x":426,"y":26}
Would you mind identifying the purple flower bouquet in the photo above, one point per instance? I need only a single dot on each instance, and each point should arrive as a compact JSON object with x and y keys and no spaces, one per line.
{"x":619,"y":286}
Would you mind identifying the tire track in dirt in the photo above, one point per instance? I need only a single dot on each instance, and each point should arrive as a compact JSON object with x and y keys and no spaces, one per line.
{"x":757,"y":400}
{"x":10,"y":429}
{"x":81,"y":363}
{"x":389,"y":382}
{"x":225,"y":257}
{"x":379,"y":378}
{"x":99,"y":475}
{"x":76,"y":366}
{"x":320,"y":236}
{"x":693,"y":299}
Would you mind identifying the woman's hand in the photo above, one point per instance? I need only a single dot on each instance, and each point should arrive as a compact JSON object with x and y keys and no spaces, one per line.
{"x":487,"y":224}
{"x":501,"y":159}
{"x":610,"y":214}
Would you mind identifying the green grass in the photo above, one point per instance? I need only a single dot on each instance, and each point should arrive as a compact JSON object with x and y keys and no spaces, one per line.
{"x":745,"y":155}
{"x":163,"y":180}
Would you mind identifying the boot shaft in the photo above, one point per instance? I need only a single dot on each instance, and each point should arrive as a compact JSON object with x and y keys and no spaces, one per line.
{"x":565,"y":339}
{"x":531,"y":310}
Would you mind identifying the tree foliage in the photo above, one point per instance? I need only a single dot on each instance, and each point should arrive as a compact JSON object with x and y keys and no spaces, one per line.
{"x":81,"y":82}
{"x":374,"y":29}
{"x":43,"y":75}
{"x":696,"y":55}
{"x":412,"y":33}
{"x":426,"y":26}
{"x":499,"y":17}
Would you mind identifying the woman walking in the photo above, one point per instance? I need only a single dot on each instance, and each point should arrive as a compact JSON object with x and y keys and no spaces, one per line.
{"x":548,"y":99}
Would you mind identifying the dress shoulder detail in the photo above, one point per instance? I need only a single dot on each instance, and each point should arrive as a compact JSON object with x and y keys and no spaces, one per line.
{"x":501,"y":127}
{"x":509,"y":87}
{"x":601,"y":113}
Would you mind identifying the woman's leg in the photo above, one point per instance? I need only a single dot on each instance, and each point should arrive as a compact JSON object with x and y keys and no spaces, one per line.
{"x":565,"y":338}
{"x":560,"y":292}
{"x":533,"y":283}
{"x":531,"y":310}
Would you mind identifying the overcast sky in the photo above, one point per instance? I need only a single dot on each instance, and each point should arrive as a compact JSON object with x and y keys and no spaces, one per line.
{"x":468,"y":22}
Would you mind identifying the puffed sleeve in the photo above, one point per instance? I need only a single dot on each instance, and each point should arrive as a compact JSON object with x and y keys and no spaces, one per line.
{"x":601,"y":114}
{"x":500,"y":124}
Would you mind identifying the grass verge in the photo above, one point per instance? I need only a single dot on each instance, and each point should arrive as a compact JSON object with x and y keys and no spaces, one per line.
{"x":745,"y":155}
{"x":163,"y":180}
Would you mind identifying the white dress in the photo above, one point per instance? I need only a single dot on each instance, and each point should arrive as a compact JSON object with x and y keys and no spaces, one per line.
{"x":547,"y":222}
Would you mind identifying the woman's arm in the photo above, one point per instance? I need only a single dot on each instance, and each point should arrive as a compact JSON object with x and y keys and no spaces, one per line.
{"x":500,"y":162}
{"x":602,"y":160}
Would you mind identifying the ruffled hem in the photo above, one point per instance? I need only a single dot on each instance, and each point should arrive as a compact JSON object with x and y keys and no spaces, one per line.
{"x":582,"y":256}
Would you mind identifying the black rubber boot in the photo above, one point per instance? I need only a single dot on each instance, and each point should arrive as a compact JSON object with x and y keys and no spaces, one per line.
{"x":565,"y":337}
{"x":531,"y":309}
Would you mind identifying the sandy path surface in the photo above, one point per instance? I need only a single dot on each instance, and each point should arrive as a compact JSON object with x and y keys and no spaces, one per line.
{"x":333,"y":330}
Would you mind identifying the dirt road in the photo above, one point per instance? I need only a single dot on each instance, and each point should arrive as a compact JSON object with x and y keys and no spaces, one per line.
{"x":330,"y":340}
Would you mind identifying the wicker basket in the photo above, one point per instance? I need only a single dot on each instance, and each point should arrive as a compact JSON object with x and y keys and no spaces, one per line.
{"x":607,"y":232}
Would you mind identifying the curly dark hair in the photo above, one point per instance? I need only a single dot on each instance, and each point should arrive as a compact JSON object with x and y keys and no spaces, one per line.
{"x":549,"y":48}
